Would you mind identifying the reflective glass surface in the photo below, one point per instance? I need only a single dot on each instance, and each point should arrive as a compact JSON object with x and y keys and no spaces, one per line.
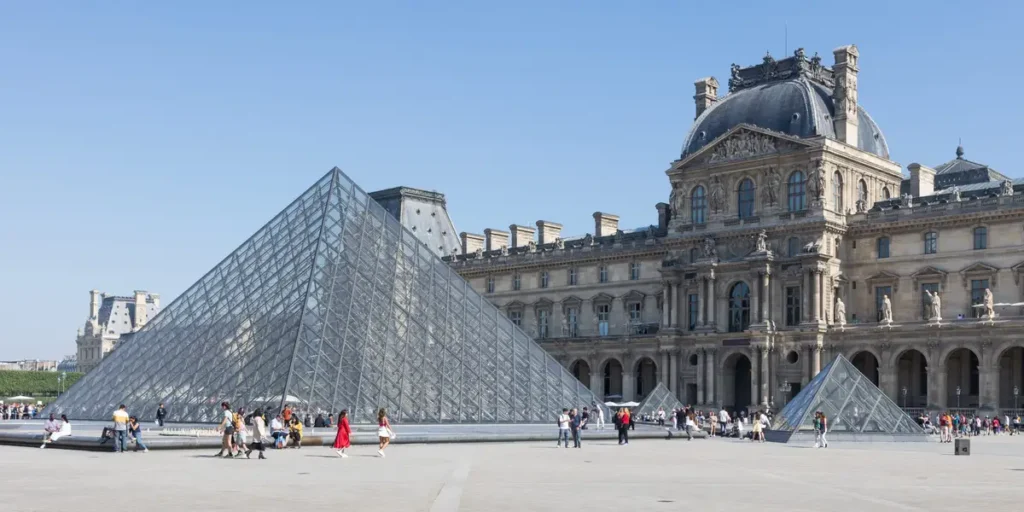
{"x":331,"y":305}
{"x":661,"y":397}
{"x":850,"y":401}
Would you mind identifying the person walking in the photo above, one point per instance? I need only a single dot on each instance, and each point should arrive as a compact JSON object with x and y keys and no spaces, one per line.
{"x":690,"y":422}
{"x":227,"y":429}
{"x":161,"y":413}
{"x":241,"y":432}
{"x":342,"y":441}
{"x":136,"y":432}
{"x":121,"y":429}
{"x":259,"y":434}
{"x":624,"y":421}
{"x":723,"y":421}
{"x":384,"y":432}
{"x":584,"y":419}
{"x":575,"y":426}
{"x":599,"y":412}
{"x":563,"y":428}
{"x":632,"y":419}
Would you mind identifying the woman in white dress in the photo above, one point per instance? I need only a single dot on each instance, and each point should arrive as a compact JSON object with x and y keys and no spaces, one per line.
{"x":384,"y":432}
{"x":65,"y":430}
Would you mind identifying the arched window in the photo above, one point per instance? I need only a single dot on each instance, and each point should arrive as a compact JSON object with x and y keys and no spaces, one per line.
{"x":698,"y":205}
{"x":745,"y":198}
{"x":739,"y":307}
{"x":885,"y":193}
{"x":795,"y":189}
{"x":837,"y":193}
{"x":862,"y":192}
{"x":793,"y":247}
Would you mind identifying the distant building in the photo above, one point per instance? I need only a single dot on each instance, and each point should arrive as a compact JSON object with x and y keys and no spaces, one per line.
{"x":29,"y":365}
{"x":68,"y":364}
{"x":110,"y":319}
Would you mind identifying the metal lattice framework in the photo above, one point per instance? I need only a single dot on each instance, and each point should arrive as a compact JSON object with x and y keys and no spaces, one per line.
{"x":661,"y":397}
{"x":332,"y":304}
{"x":850,"y":401}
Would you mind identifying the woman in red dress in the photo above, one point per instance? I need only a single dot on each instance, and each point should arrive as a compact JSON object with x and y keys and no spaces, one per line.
{"x":341,"y":441}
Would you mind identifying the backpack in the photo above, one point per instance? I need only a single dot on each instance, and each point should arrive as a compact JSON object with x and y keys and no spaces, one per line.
{"x":237,"y":421}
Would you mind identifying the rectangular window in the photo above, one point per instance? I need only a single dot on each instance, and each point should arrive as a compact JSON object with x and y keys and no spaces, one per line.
{"x":572,"y":276}
{"x":634,"y":312}
{"x":572,"y":316}
{"x":542,"y":323}
{"x":880,"y":293}
{"x":516,"y":317}
{"x":602,"y":274}
{"x":925,"y":301}
{"x":792,"y":305}
{"x":978,"y":287}
{"x":544,"y":279}
{"x":634,"y":271}
{"x":691,"y":311}
{"x":931,"y":242}
{"x":517,"y":282}
{"x":603,"y":311}
{"x":883,"y":247}
{"x":980,"y":238}
{"x":490,"y":285}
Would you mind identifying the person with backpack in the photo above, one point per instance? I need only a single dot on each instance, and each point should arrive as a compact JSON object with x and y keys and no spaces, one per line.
{"x":135,"y":429}
{"x":227,"y":428}
{"x":238,"y":419}
{"x":563,"y":428}
{"x":259,"y":434}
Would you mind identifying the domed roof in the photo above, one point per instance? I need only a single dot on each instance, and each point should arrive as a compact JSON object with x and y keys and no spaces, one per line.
{"x":792,"y":102}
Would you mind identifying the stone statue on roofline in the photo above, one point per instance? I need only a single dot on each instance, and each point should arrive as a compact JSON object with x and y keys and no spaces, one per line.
{"x":886,"y":311}
{"x":934,"y":306}
{"x":762,"y":241}
{"x":990,"y":311}
{"x":840,"y":316}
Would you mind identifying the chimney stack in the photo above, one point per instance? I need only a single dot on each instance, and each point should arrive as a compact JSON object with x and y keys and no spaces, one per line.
{"x":707,"y":94}
{"x":496,"y":239}
{"x":521,"y":235}
{"x":141,"y":313}
{"x":94,"y":304}
{"x":605,"y":224}
{"x":548,"y":231}
{"x":471,"y":242}
{"x":922,"y":180}
{"x":844,"y":93}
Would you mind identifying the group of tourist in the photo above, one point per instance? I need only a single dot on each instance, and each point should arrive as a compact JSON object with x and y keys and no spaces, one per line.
{"x":19,"y":411}
{"x":961,"y":425}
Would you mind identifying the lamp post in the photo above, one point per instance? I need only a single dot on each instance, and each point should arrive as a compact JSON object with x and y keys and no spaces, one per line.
{"x":958,"y":398}
{"x":904,"y":397}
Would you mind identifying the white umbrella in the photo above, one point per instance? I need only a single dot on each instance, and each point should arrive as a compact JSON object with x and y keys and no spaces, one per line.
{"x":19,"y":398}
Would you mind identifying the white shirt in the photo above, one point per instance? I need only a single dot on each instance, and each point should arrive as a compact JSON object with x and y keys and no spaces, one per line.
{"x":763,"y":419}
{"x":563,"y":421}
{"x":65,"y":428}
{"x":723,"y":416}
{"x":661,"y":415}
{"x":275,"y":424}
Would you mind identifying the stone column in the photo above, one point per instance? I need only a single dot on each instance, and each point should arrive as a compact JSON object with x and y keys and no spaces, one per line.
{"x":773,"y":377}
{"x":764,"y":294}
{"x":942,"y":399}
{"x":628,"y":385}
{"x":711,"y":304}
{"x":673,"y":373}
{"x":815,"y":296}
{"x":700,"y":302}
{"x":805,"y":354}
{"x":712,"y":387}
{"x":815,"y":360}
{"x":677,"y":306}
{"x":665,"y":292}
{"x":754,"y":374}
{"x":765,"y":389}
{"x":597,"y":382}
{"x":700,"y":376}
{"x":663,"y":369}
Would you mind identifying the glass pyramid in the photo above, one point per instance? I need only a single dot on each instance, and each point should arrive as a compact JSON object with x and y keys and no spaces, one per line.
{"x":660,"y":396}
{"x":331,"y":305}
{"x":851,"y":403}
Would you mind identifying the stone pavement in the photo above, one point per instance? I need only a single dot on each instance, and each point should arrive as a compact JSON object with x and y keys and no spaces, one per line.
{"x":647,"y":475}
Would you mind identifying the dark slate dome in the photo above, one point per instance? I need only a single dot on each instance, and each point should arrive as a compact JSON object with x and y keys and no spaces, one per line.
{"x":793,"y":101}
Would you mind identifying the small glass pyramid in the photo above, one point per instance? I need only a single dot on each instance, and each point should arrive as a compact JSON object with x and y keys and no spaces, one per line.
{"x":851,"y":403}
{"x":661,"y":397}
{"x":332,"y":304}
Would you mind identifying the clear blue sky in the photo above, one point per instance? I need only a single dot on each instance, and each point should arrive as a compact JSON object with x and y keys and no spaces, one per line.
{"x":140,"y":142}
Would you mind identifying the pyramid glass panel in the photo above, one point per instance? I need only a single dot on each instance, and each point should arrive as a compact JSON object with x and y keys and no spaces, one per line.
{"x":659,"y":397}
{"x":851,"y":404}
{"x":332,"y":304}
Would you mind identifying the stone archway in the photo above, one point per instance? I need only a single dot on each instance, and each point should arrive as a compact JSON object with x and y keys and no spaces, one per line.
{"x":646,"y":374}
{"x":1011,"y":375}
{"x":611,"y":371}
{"x":581,"y":370}
{"x":736,"y":375}
{"x":867,"y":363}
{"x":912,"y":376}
{"x":962,"y":371}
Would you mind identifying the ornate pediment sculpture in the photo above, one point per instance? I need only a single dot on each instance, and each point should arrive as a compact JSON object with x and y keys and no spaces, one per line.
{"x":743,"y":144}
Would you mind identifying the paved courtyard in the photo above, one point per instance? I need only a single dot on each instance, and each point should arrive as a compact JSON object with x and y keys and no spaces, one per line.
{"x":653,"y":475}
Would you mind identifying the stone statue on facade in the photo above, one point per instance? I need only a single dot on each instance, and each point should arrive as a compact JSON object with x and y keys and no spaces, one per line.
{"x":531,"y":246}
{"x":954,"y":195}
{"x":717,"y":197}
{"x":708,"y":250}
{"x":478,"y":253}
{"x":675,"y":201}
{"x":504,"y":250}
{"x":770,"y":189}
{"x":799,"y":54}
{"x":743,"y":144}
{"x":455,"y":253}
{"x":762,"y":241}
{"x":1006,"y":188}
{"x":565,"y":326}
{"x":862,"y":206}
{"x":734,"y":77}
{"x":840,"y":316}
{"x":559,"y":243}
{"x":906,"y":201}
{"x":818,"y":181}
{"x":588,"y":239}
{"x":650,"y":232}
{"x":934,"y":306}
{"x":886,"y":310}
{"x":990,"y":311}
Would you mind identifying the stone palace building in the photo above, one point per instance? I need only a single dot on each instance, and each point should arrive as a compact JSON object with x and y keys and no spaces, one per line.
{"x":112,"y":319}
{"x":788,"y":236}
